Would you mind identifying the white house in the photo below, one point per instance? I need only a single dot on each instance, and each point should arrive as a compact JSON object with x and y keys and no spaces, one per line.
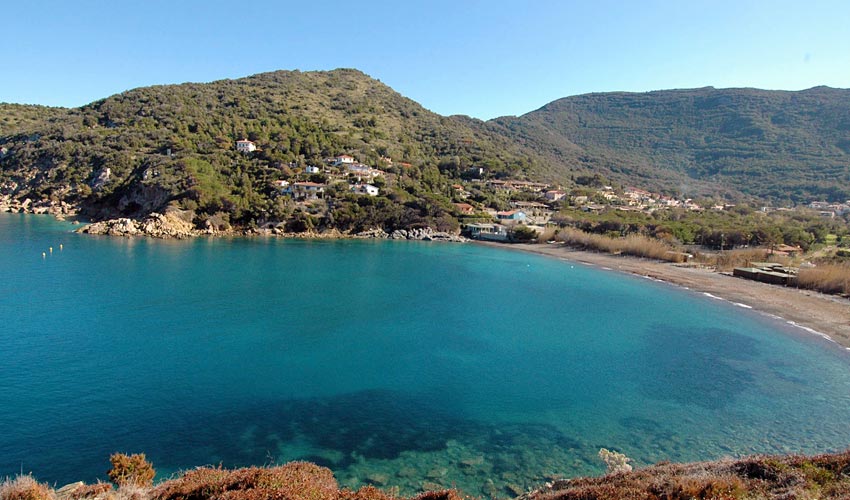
{"x":555,"y":195}
{"x":245,"y":146}
{"x":364,"y":189}
{"x":310,"y":169}
{"x":343,"y":160}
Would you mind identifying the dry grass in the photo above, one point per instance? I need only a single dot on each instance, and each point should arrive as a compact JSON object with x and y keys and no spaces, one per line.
{"x":548,"y":234}
{"x":730,"y":259}
{"x":759,"y":477}
{"x":826,"y":278}
{"x":90,"y":491}
{"x":635,"y":245}
{"x":293,"y":481}
{"x":25,"y":488}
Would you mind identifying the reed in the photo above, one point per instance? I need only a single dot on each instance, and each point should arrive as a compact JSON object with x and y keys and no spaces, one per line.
{"x":826,"y":278}
{"x":633,"y":244}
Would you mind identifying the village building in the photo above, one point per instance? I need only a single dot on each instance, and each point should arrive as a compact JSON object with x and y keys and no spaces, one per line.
{"x":511,"y":215}
{"x":555,"y":195}
{"x":245,"y":146}
{"x":465,"y":208}
{"x":491,"y":232}
{"x":307,"y":190}
{"x":366,"y":189}
{"x":343,"y":160}
{"x":310,"y":169}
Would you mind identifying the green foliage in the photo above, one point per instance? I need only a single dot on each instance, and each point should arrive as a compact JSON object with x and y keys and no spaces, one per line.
{"x":523,"y":234}
{"x":712,"y":228}
{"x":131,"y":470}
{"x":782,"y":146}
{"x":176,"y":144}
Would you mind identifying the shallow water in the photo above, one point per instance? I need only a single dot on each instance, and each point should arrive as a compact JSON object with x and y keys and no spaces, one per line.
{"x":397,"y":363}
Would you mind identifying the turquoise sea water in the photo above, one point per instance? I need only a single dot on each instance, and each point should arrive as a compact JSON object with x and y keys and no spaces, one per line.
{"x":395,"y":363}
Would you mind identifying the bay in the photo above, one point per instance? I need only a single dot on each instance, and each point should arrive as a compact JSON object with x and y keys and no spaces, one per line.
{"x":394,"y":363}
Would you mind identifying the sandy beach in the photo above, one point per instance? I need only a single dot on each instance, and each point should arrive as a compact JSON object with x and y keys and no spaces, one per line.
{"x":825,"y":314}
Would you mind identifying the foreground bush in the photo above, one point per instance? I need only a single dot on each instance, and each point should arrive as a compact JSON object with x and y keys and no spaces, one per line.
{"x":752,"y":478}
{"x":131,"y":470}
{"x":25,"y":488}
{"x":293,"y":481}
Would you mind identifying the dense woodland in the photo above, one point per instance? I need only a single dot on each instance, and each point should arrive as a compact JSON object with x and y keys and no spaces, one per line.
{"x":784,"y":147}
{"x":157,"y":147}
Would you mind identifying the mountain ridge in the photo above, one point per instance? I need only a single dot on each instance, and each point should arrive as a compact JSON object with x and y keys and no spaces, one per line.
{"x":149,"y":148}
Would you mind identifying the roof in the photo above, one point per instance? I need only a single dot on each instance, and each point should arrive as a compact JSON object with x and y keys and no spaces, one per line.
{"x":309,"y":184}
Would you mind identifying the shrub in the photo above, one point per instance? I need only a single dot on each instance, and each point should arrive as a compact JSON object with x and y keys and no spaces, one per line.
{"x":131,"y":470}
{"x":615,"y":462}
{"x":25,"y":488}
{"x":293,"y":481}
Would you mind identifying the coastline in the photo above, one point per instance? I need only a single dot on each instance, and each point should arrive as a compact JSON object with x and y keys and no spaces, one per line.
{"x":814,"y":312}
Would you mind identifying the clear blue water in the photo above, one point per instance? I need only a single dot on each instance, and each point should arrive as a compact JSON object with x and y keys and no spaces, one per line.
{"x":394,"y":363}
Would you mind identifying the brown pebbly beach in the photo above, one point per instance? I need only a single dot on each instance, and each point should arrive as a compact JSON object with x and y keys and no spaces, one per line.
{"x":827,"y":315}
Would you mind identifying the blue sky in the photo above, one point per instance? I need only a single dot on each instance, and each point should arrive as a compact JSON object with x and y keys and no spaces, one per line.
{"x":479,"y":58}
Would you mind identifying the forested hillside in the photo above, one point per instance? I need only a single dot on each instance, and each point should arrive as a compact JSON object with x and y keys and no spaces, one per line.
{"x":787,"y":147}
{"x":148,"y":148}
{"x":174,"y":147}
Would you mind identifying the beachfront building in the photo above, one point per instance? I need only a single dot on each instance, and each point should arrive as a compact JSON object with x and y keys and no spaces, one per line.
{"x":490,"y":232}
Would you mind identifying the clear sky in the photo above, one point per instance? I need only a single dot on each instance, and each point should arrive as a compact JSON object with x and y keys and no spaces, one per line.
{"x":479,"y":58}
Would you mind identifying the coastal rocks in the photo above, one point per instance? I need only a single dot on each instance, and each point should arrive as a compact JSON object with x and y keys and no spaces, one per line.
{"x":373,"y":234}
{"x":156,"y":226}
{"x":420,"y":234}
{"x":28,"y":206}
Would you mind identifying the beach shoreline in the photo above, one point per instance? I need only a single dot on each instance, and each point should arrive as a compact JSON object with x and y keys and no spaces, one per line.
{"x":814,"y":312}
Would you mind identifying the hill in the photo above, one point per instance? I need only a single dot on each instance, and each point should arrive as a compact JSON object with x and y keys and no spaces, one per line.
{"x":172,"y":148}
{"x":788,"y":147}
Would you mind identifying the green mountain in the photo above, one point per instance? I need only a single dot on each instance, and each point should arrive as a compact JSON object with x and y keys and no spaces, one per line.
{"x":150,"y":148}
{"x":174,"y":147}
{"x":775,"y":145}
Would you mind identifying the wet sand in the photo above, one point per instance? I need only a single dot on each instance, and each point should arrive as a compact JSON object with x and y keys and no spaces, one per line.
{"x":825,"y":314}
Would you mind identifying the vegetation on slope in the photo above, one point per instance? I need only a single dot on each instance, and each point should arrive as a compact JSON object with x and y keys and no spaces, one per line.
{"x":789,"y":147}
{"x":157,"y":147}
{"x":175,"y":145}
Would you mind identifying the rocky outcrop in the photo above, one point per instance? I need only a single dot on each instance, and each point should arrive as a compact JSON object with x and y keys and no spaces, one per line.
{"x":422,"y":234}
{"x":156,"y":225}
{"x":27,"y":206}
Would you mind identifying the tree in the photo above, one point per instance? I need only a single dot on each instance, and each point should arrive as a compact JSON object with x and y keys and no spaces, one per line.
{"x":523,"y":234}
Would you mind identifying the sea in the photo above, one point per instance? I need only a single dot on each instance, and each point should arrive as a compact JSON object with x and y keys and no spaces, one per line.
{"x":406,"y":365}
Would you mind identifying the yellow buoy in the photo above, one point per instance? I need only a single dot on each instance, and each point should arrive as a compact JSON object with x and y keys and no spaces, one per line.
{"x":51,"y":249}
{"x":60,"y":247}
{"x":43,"y":255}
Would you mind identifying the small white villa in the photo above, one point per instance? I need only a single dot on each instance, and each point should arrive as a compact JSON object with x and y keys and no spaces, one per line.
{"x":245,"y":146}
{"x":367,"y":189}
